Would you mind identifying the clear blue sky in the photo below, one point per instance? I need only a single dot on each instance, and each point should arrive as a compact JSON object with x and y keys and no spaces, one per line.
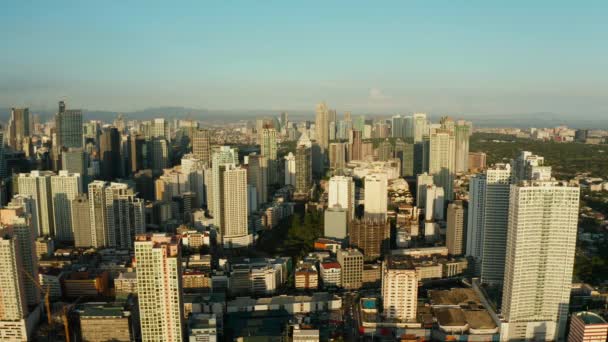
{"x":482,"y":57}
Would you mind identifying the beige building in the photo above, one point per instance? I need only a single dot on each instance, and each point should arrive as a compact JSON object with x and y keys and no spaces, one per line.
{"x":101,"y":323}
{"x":455,"y":230}
{"x":351,"y":263}
{"x":399,"y":289}
{"x":159,"y":287}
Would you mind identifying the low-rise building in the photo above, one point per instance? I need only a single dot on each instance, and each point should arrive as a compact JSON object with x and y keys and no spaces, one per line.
{"x":331,"y":274}
{"x":86,"y":284}
{"x":587,"y":327}
{"x":105,"y":322}
{"x":318,"y":302}
{"x":307,"y":277}
{"x":202,"y":327}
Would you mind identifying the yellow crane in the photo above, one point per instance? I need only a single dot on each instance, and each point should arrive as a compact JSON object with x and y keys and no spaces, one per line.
{"x":47,"y":299}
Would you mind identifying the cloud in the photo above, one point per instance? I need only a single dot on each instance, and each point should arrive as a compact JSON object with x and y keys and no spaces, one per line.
{"x":376,"y":94}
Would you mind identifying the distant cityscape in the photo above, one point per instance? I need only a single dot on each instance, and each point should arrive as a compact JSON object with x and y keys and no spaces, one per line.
{"x":337,"y":227}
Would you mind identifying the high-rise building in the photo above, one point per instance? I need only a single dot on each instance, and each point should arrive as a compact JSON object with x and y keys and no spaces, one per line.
{"x":232,"y":189}
{"x":322,"y":127}
{"x":257,"y":176}
{"x":435,"y":203}
{"x":455,"y":229}
{"x":405,"y":153}
{"x":495,"y":185}
{"x":109,"y":153}
{"x":587,"y":326}
{"x":37,"y":184}
{"x":528,"y":166}
{"x":137,"y":153}
{"x":351,"y":263}
{"x":65,"y":187}
{"x":68,"y":125}
{"x":15,"y":223}
{"x":269,"y":150}
{"x":3,"y":170}
{"x":159,"y":287}
{"x":76,"y":160}
{"x":201,"y":145}
{"x":376,"y":196}
{"x":420,"y":126}
{"x":224,"y":155}
{"x":116,"y":214}
{"x":18,"y":127}
{"x":477,"y":160}
{"x":195,"y":171}
{"x":398,"y":127}
{"x":370,"y":236}
{"x":399,"y":288}
{"x":303,"y":169}
{"x":342,"y":194}
{"x":385,"y":150}
{"x":337,"y":155}
{"x":441,"y":160}
{"x":356,"y":145}
{"x":81,"y":221}
{"x":462,"y":133}
{"x":290,"y":169}
{"x":540,"y":250}
{"x":158,"y":153}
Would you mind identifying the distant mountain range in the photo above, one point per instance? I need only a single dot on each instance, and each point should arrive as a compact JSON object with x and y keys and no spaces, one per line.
{"x":523,"y":120}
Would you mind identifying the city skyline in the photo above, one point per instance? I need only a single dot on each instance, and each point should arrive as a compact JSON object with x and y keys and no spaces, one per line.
{"x":454,"y":58}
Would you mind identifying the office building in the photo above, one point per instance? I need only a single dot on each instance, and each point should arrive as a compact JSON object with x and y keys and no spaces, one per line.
{"x":65,"y":187}
{"x":76,"y":161}
{"x":435,"y":203}
{"x":540,"y":250}
{"x":528,"y":166}
{"x":495,"y":184}
{"x":158,"y":154}
{"x":336,"y":223}
{"x":109,"y":153}
{"x":18,"y":128}
{"x":399,"y":289}
{"x":68,"y":126}
{"x":231,"y":211}
{"x":420,"y":126}
{"x":342,"y":194}
{"x":268,"y":149}
{"x":398,"y":126}
{"x":303,"y":169}
{"x":322,"y":127}
{"x":455,"y":229}
{"x":351,"y":265}
{"x":477,"y":161}
{"x":370,"y":236}
{"x":422,"y":181}
{"x":337,"y":155}
{"x":159,"y":287}
{"x":203,"y":327}
{"x":376,"y":196}
{"x":257,"y":176}
{"x":37,"y":185}
{"x":405,"y":153}
{"x":101,"y":322}
{"x":81,"y":221}
{"x":137,"y":153}
{"x":462,"y":133}
{"x":356,"y":145}
{"x":201,"y":145}
{"x":587,"y":326}
{"x":117,"y":216}
{"x":441,"y":160}
{"x":290,"y":169}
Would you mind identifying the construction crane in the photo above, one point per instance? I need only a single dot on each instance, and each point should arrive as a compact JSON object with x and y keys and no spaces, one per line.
{"x":47,"y":299}
{"x":66,"y":318}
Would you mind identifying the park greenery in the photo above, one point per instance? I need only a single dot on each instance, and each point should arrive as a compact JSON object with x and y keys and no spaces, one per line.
{"x":294,"y":236}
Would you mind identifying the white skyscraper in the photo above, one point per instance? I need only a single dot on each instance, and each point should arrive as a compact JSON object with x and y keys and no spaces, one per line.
{"x":376,"y":196}
{"x":435,"y":203}
{"x":541,"y":245}
{"x":441,"y":160}
{"x":159,"y":287}
{"x":342,"y":194}
{"x":232,"y":188}
{"x":399,"y":289}
{"x":420,"y":126}
{"x":194,"y":170}
{"x":421,"y":182}
{"x":224,"y":155}
{"x":528,"y":166}
{"x":37,"y":184}
{"x":290,"y":169}
{"x":65,"y":187}
{"x":116,"y":214}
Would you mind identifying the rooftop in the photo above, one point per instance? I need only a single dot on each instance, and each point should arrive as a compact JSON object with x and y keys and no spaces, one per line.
{"x":590,"y":318}
{"x":453,"y":297}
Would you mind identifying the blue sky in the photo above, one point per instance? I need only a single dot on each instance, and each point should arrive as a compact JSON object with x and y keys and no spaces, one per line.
{"x":481,"y":57}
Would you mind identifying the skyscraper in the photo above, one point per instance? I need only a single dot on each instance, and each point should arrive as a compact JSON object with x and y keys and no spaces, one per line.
{"x":495,"y":185}
{"x":65,"y":187}
{"x":137,"y":156}
{"x":18,"y":127}
{"x":405,"y":153}
{"x":81,"y":221}
{"x":455,"y":229}
{"x":159,"y":287}
{"x":356,"y":148}
{"x":399,"y":289}
{"x":76,"y":160}
{"x":303,"y":169}
{"x":441,"y":160}
{"x":109,"y":153}
{"x":232,"y":189}
{"x":322,"y":126}
{"x":201,"y":145}
{"x":269,"y":150}
{"x":540,"y":250}
{"x":420,"y":126}
{"x":370,"y":236}
{"x":290,"y":169}
{"x":116,"y":214}
{"x":337,"y":155}
{"x":158,"y":153}
{"x":257,"y":176}
{"x":462,"y":132}
{"x":376,"y":192}
{"x":37,"y":184}
{"x":68,"y":125}
{"x":342,"y":194}
{"x":398,"y":127}
{"x":224,"y":155}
